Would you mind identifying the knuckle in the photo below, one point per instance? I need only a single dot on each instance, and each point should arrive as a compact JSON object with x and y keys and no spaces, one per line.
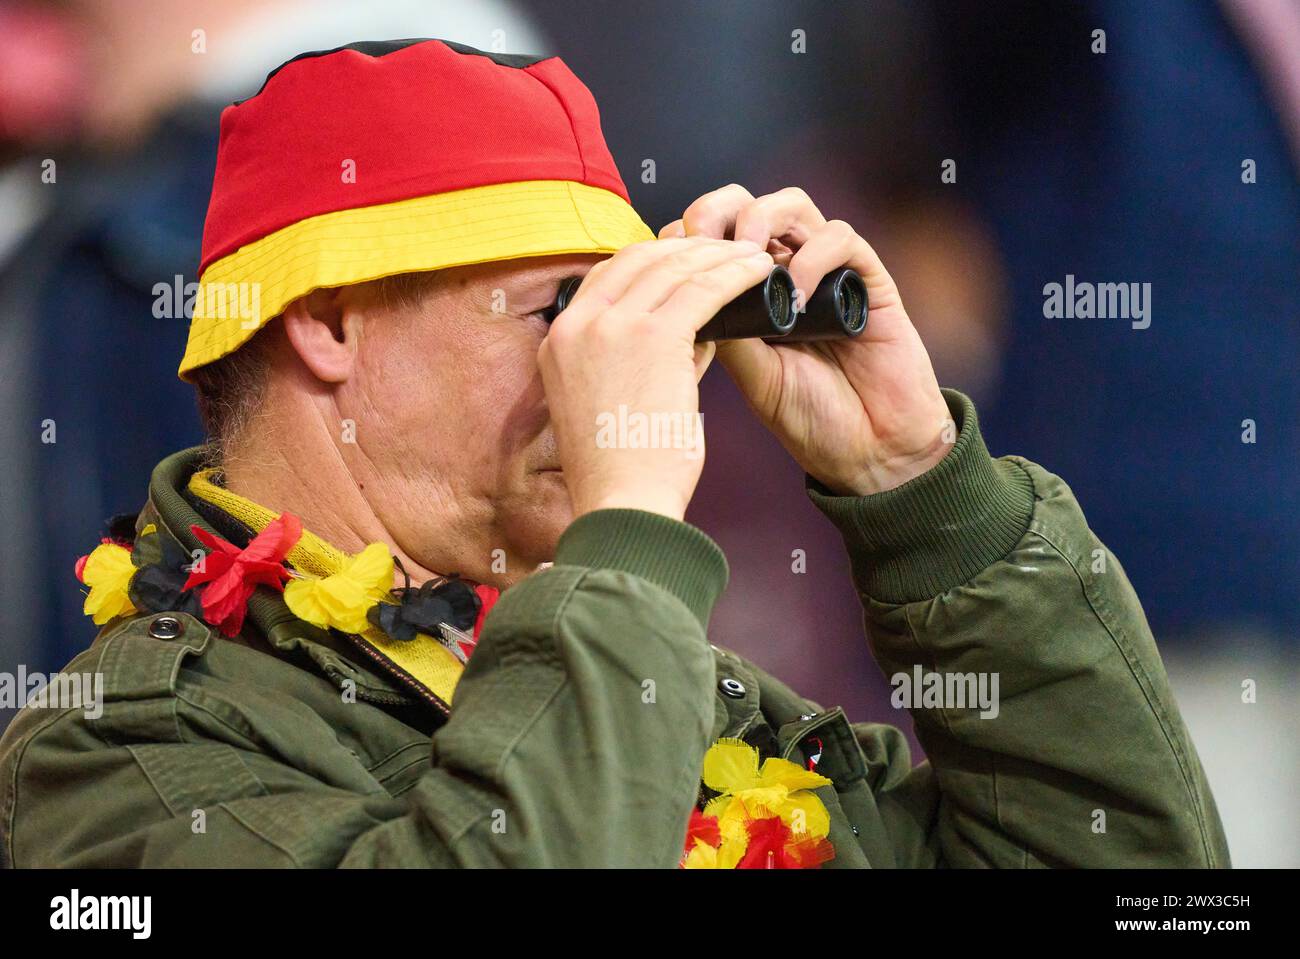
{"x":699,"y":210}
{"x":840,"y":229}
{"x":715,"y":203}
{"x":602,"y":333}
{"x":676,"y":266}
{"x":639,"y":326}
{"x":707,"y":280}
{"x":794,"y":193}
{"x":751,"y":211}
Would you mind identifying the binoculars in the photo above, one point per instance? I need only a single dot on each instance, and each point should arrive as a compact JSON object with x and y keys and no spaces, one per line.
{"x":836,"y":310}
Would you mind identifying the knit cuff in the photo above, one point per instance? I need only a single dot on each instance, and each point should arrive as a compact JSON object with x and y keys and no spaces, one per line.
{"x":940,"y":529}
{"x":671,"y":554}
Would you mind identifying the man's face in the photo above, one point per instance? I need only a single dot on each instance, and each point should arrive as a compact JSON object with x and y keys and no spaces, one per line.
{"x":451,"y":416}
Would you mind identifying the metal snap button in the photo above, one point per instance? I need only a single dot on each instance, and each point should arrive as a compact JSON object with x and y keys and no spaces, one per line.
{"x":854,"y":828}
{"x":807,"y":716}
{"x":733,"y":688}
{"x":166,"y":627}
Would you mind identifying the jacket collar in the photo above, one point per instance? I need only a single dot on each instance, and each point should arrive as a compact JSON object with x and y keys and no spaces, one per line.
{"x":421,"y":670}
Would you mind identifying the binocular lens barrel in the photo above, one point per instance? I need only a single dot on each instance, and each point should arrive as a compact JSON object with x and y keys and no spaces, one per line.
{"x":837,"y":309}
{"x":765,"y":310}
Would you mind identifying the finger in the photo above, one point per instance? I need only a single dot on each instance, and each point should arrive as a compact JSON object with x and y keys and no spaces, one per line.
{"x":714,"y":213}
{"x":704,"y":353}
{"x":702,"y":294}
{"x":674,"y":229}
{"x":652,"y":288}
{"x":609,"y":279}
{"x":837,"y":244}
{"x":788,"y":215}
{"x":828,"y":248}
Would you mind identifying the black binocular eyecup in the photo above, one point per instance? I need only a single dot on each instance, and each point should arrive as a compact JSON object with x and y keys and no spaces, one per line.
{"x":836,"y":310}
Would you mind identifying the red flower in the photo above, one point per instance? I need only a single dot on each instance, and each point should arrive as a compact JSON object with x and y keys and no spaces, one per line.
{"x":231,"y":573}
{"x":702,"y":827}
{"x":772,"y":846}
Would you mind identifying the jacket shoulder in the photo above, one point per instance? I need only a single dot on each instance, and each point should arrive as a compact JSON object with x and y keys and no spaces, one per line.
{"x":132,"y":660}
{"x":79,"y":725}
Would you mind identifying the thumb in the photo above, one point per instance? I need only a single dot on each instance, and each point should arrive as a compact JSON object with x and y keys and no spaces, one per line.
{"x":704,"y":353}
{"x":756,"y":369}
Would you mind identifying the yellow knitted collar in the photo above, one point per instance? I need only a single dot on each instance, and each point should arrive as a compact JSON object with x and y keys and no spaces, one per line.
{"x":311,"y":554}
{"x":423,"y":664}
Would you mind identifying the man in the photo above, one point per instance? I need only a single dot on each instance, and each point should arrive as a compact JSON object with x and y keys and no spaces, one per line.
{"x":297,"y":666}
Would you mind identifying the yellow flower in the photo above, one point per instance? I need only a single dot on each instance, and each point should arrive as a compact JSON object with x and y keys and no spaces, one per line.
{"x":703,"y":856}
{"x":748,"y":792}
{"x":341,"y":600}
{"x":108,"y":571}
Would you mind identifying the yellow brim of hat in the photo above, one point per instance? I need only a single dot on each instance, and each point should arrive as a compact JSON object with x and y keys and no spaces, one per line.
{"x":241,"y":292}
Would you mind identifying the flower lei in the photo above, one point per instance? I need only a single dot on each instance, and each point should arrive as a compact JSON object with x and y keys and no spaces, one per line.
{"x":762,"y":818}
{"x":216,"y":588}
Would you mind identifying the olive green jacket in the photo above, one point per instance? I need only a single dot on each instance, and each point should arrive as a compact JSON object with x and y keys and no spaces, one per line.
{"x":254,"y":751}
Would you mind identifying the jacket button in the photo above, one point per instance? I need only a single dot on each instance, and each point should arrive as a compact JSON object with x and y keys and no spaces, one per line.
{"x":733,"y":688}
{"x":166,"y":627}
{"x":854,"y":828}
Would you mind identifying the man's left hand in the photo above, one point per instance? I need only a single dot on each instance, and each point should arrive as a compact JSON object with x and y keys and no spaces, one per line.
{"x":860,"y":415}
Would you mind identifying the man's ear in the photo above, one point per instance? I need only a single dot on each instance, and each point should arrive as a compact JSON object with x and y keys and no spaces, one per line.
{"x":323,"y":334}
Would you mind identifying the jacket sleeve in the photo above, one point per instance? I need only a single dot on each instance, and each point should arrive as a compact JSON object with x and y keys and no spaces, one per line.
{"x":576,"y":739}
{"x":987,"y":568}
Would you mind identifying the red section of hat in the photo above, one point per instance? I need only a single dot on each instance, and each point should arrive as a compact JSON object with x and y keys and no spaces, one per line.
{"x":419,"y":121}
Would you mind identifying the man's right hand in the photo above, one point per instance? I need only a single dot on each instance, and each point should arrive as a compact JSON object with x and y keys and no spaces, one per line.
{"x":628,"y":339}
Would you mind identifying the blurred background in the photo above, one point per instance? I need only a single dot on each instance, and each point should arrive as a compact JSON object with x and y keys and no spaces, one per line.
{"x":1115,"y":142}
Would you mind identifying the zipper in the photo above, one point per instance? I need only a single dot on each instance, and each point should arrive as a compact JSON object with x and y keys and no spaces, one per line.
{"x":410,"y":682}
